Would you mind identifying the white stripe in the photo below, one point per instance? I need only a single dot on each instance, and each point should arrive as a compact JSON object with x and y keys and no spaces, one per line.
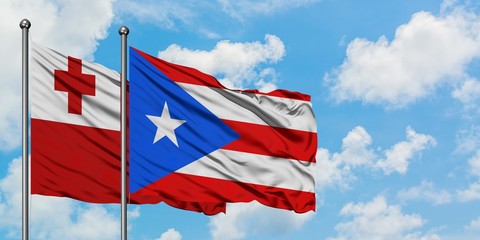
{"x":256,"y":169}
{"x":254,"y":108}
{"x":101,"y":110}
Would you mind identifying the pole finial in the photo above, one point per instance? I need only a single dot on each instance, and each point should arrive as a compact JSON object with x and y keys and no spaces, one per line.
{"x":123,"y":30}
{"x":25,"y":24}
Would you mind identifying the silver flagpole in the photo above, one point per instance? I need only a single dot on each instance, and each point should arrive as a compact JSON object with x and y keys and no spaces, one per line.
{"x":123,"y":31}
{"x":25,"y":26}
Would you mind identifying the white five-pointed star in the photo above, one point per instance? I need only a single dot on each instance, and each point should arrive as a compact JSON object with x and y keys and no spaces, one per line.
{"x":165,"y":125}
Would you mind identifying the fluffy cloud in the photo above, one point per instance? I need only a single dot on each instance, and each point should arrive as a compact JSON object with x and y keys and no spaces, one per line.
{"x":331,"y":171}
{"x":73,"y":27}
{"x":474,"y":163}
{"x":241,"y":9}
{"x":379,"y":220}
{"x":11,"y":197}
{"x":470,"y":194}
{"x":164,"y":13}
{"x":473,"y":226}
{"x":170,"y":234}
{"x":243,"y":69}
{"x":355,"y":151}
{"x":337,"y":168}
{"x":169,"y":14}
{"x":411,"y":66}
{"x":72,"y":221}
{"x":398,"y":157}
{"x":425,"y":191}
{"x":468,"y":140}
{"x":468,"y":94}
{"x":245,"y":219}
{"x":51,"y":217}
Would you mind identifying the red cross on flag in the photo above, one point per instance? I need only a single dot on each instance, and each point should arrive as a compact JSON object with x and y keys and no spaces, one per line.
{"x":75,"y":127}
{"x":75,"y":84}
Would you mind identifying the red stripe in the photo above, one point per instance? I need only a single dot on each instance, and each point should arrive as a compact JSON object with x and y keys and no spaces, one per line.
{"x":68,"y":161}
{"x":189,"y":188}
{"x":179,"y":73}
{"x":273,"y":141}
{"x":75,"y":161}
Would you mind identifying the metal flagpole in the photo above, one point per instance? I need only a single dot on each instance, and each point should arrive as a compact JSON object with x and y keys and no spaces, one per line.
{"x":123,"y":31}
{"x":25,"y":26}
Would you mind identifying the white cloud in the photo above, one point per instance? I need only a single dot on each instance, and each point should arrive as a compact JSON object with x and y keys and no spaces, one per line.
{"x":355,"y":150}
{"x":473,"y":226}
{"x":52,"y":217}
{"x":168,"y":13}
{"x":378,"y":220}
{"x":331,"y":171}
{"x":398,"y":157}
{"x":243,"y":69}
{"x":420,"y":236}
{"x":425,"y":191}
{"x":470,"y":194}
{"x":468,"y":139}
{"x":411,"y":66}
{"x":170,"y":234}
{"x":242,"y":9}
{"x":245,"y":219}
{"x":337,"y":169}
{"x":134,"y":213}
{"x":474,"y":163}
{"x":164,"y":13}
{"x":90,"y":222}
{"x":73,"y":27}
{"x":468,"y":93}
{"x":202,"y":16}
{"x":471,"y":231}
{"x":448,"y":5}
{"x":11,"y":196}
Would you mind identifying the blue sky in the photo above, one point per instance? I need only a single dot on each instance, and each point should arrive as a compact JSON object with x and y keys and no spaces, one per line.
{"x":395,"y":89}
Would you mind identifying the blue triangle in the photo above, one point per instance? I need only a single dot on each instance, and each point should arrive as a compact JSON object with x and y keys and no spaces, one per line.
{"x":201,"y":134}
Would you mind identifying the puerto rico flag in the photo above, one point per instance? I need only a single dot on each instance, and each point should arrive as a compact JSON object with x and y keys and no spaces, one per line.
{"x":197,"y":145}
{"x":75,"y":132}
